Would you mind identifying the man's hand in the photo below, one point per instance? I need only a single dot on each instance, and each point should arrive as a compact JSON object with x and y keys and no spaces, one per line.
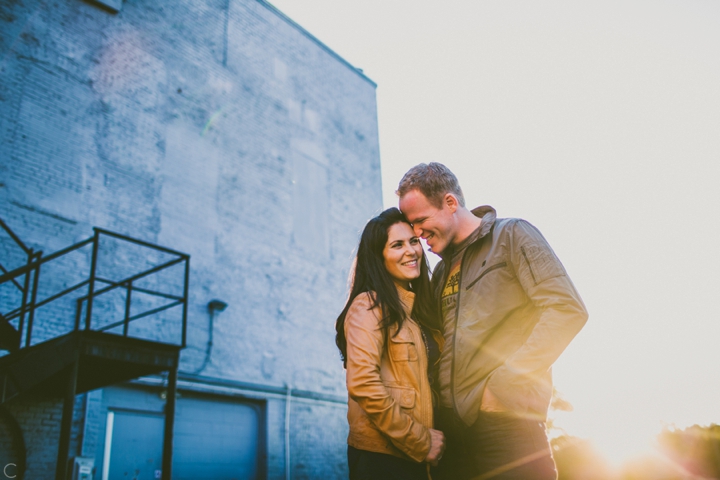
{"x":490,"y":403}
{"x":437,"y":447}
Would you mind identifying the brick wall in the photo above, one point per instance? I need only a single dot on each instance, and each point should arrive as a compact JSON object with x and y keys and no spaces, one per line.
{"x":39,"y":419}
{"x":214,"y":127}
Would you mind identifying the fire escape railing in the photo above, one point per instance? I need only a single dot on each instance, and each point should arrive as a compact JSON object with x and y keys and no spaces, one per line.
{"x":96,"y":286}
{"x":10,"y":337}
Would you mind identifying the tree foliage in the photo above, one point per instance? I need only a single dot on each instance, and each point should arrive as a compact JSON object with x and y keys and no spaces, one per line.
{"x":696,"y":449}
{"x":690,"y":453}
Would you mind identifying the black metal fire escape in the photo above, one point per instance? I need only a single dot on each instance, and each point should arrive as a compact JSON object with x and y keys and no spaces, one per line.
{"x":55,"y":356}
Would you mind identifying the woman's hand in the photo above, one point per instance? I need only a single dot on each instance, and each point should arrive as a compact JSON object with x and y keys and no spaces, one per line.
{"x":437,"y":447}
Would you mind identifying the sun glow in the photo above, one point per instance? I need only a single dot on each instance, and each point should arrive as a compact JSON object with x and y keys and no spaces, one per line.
{"x":623,"y":446}
{"x":618,"y":441}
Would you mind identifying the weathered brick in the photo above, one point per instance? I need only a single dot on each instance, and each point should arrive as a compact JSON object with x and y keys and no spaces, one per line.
{"x":212,"y":127}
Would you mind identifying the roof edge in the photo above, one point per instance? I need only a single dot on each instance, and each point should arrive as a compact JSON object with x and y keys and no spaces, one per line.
{"x":309,"y":35}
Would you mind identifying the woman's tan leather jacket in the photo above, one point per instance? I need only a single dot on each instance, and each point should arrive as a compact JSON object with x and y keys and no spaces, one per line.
{"x":390,"y":406}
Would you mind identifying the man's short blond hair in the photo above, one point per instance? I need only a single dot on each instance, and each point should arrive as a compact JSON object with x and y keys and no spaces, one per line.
{"x":434,"y":180}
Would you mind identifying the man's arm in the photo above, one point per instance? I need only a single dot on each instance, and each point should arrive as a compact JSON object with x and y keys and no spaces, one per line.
{"x":563,"y":314}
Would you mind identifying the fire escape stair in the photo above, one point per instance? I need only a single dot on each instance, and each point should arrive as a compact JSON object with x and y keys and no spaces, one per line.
{"x":91,"y":357}
{"x":9,"y":336}
{"x":103,"y":359}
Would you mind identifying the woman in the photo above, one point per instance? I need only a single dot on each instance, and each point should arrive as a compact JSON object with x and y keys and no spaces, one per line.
{"x":388,"y":337}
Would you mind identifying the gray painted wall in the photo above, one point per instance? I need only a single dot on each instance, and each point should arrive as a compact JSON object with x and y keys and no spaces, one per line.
{"x":217,"y":128}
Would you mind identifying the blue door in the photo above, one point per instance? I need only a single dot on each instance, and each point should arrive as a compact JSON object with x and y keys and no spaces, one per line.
{"x":215,"y":438}
{"x":136,"y":448}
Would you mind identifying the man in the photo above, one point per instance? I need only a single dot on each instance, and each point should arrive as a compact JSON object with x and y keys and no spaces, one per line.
{"x":508,"y":310}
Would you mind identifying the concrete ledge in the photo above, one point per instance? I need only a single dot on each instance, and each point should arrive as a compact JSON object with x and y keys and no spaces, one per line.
{"x":249,"y":387}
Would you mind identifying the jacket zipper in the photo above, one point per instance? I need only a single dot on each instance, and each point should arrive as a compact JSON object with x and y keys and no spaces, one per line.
{"x":454,"y":350}
{"x":457,"y":316}
{"x":488,"y":270}
{"x":423,"y":379}
{"x":522,"y":249}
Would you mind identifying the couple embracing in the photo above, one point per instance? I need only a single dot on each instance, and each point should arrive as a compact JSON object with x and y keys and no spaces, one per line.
{"x":451,"y":378}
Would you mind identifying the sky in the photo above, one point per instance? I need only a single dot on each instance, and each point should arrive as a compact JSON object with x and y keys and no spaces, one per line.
{"x":598,"y":122}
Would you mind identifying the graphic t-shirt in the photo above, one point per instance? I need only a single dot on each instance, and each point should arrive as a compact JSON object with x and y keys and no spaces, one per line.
{"x":448,"y":300}
{"x":451,"y":286}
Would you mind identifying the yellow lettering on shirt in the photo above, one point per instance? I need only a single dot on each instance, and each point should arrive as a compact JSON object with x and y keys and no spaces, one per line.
{"x":451,"y":286}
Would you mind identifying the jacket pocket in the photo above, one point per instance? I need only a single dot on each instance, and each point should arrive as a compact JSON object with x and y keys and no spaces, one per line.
{"x":485,"y":272}
{"x":541,"y":262}
{"x":402,"y":348}
{"x":404,"y":396}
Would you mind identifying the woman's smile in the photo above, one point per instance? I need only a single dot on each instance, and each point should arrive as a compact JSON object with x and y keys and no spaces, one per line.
{"x":401,"y":253}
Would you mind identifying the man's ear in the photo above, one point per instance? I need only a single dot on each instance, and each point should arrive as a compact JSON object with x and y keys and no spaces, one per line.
{"x":452,"y":202}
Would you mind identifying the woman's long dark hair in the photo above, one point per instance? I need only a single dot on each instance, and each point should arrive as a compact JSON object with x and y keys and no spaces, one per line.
{"x":371,"y":275}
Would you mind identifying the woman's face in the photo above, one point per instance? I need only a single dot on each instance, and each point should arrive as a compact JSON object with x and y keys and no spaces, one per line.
{"x":403,"y":254}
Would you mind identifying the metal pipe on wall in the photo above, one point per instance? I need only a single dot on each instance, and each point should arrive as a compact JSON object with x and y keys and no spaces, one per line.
{"x":288,"y":397}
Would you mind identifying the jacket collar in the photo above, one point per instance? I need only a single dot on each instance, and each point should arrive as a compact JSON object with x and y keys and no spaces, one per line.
{"x":407,"y":298}
{"x":488,"y":216}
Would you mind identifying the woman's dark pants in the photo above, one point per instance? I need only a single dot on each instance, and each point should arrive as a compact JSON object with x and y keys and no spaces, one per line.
{"x":498,"y":446}
{"x":366,"y":465}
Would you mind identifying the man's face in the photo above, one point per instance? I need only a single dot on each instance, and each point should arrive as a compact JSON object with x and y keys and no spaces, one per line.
{"x":435,"y":225}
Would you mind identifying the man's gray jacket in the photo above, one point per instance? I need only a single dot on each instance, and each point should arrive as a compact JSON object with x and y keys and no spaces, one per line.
{"x":516,"y":312}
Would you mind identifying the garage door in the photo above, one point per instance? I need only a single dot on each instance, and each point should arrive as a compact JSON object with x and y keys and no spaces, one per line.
{"x":136,"y":449}
{"x":216,"y":438}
